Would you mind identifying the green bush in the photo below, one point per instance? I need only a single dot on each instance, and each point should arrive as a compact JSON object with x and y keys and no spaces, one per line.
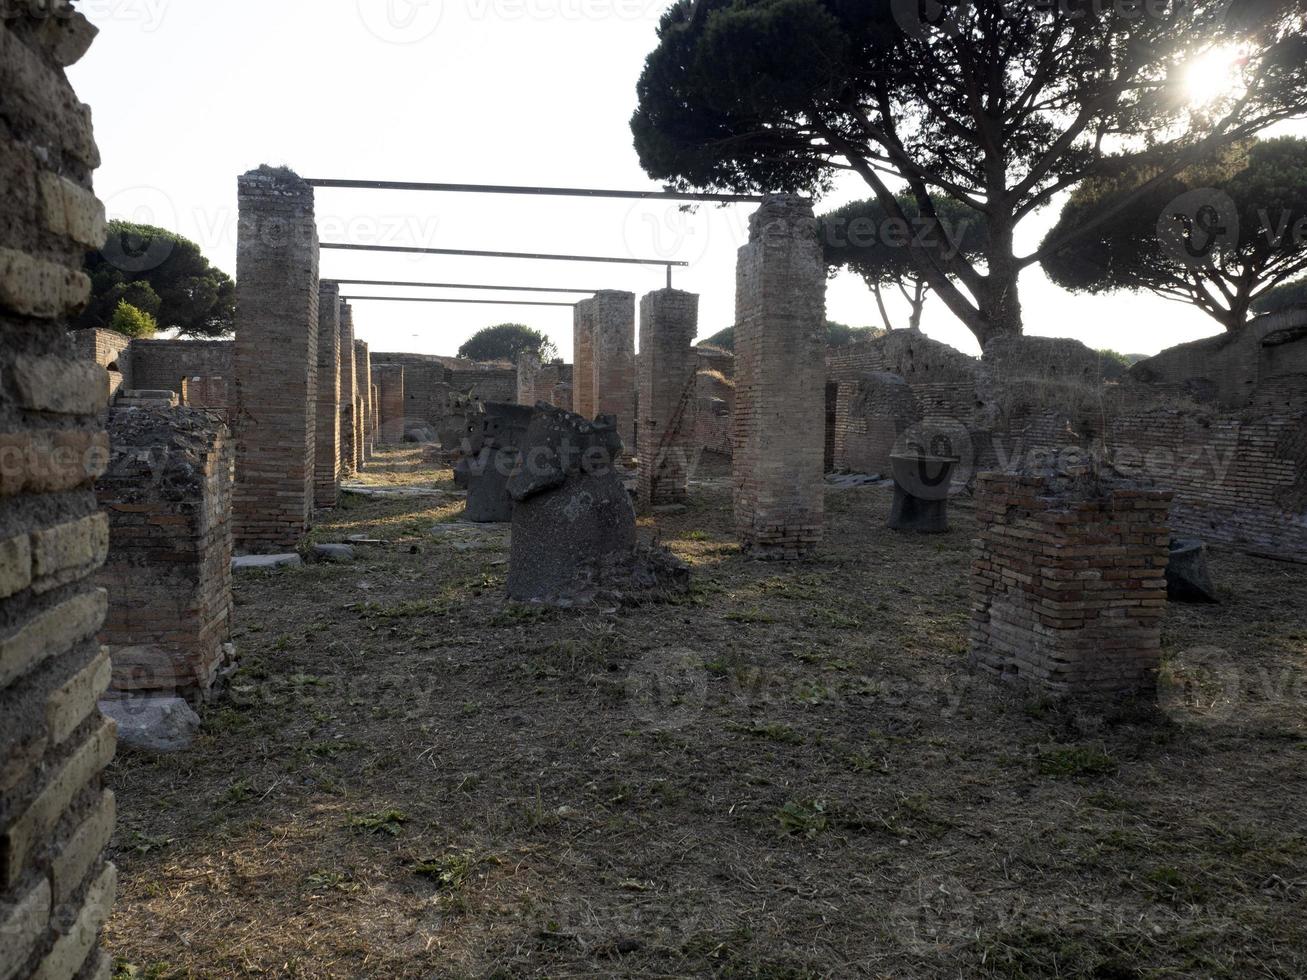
{"x":133,"y":322}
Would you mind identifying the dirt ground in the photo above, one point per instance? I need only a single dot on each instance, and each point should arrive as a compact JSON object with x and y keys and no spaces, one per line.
{"x":787,"y":773}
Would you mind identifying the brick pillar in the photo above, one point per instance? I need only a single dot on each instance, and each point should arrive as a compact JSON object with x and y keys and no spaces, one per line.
{"x":528,"y":373}
{"x":1069,"y":586}
{"x":275,"y":360}
{"x":55,"y":814}
{"x":583,"y":380}
{"x":669,"y":320}
{"x":363,"y":365}
{"x":350,"y":382}
{"x":389,"y":379}
{"x":614,"y":361}
{"x":374,"y":414}
{"x":778,"y":425}
{"x":326,"y":484}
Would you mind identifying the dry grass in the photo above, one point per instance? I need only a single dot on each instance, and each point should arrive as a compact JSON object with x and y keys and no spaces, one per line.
{"x":787,"y":774}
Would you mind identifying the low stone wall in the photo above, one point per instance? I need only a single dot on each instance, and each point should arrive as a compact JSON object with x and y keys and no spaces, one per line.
{"x":168,"y":494}
{"x":1069,"y":587}
{"x":56,"y":816}
{"x":161,"y":364}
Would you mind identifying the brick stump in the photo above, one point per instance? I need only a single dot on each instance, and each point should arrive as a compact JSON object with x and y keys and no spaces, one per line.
{"x":389,"y":379}
{"x":168,"y":494}
{"x":778,"y":425}
{"x":1069,"y":583}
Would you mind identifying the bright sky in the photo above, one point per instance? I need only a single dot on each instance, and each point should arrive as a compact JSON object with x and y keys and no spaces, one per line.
{"x":189,"y":94}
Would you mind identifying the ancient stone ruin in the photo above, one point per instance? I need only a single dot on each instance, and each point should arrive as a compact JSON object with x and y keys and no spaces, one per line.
{"x":573,"y":537}
{"x":668,"y":387}
{"x":1069,"y":580}
{"x":491,"y":457}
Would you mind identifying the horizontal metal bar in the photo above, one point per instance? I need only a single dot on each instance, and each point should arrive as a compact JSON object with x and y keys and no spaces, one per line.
{"x":596,"y":192}
{"x":455,"y":285}
{"x":498,"y":255}
{"x":441,"y":299}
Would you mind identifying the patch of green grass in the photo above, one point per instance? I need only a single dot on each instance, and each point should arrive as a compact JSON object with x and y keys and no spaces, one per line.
{"x":450,"y":872}
{"x":404,"y":610}
{"x":806,"y":818}
{"x":384,"y":822}
{"x":772,"y":732}
{"x":1075,"y":760}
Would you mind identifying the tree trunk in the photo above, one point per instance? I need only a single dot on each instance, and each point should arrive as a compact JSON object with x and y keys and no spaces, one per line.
{"x":1000,"y":298}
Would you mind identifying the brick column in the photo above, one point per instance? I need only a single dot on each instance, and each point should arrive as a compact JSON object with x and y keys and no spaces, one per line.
{"x":669,"y":320}
{"x":389,"y":379}
{"x":614,"y":361}
{"x":56,"y":815}
{"x":275,"y":360}
{"x":778,"y":425}
{"x":363,"y":424}
{"x":1069,"y":585}
{"x":374,"y":420}
{"x":350,"y":382}
{"x":326,"y":484}
{"x":528,"y":373}
{"x":583,"y":380}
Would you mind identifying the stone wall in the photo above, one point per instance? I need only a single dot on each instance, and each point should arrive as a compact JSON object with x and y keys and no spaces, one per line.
{"x":276,"y":360}
{"x":668,"y":366}
{"x":55,"y":814}
{"x":328,"y":450}
{"x":871,"y":415}
{"x":779,"y":421}
{"x":211,"y":394}
{"x":168,"y":494}
{"x":107,"y":348}
{"x":1069,"y":586}
{"x":391,"y":404}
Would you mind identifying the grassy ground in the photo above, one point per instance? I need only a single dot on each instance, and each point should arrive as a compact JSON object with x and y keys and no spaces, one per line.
{"x":789,"y":773}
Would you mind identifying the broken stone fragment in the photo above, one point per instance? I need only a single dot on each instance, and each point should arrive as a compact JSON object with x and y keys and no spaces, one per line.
{"x":246,"y":562}
{"x":153,"y":723}
{"x":333,"y":552}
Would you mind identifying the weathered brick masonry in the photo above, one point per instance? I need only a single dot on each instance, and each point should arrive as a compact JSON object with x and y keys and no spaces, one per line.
{"x":1069,"y":587}
{"x":614,"y":361}
{"x":366,"y":425}
{"x":389,"y":379}
{"x":328,"y":449}
{"x":778,"y":426}
{"x":55,"y":814}
{"x":276,"y":361}
{"x":107,"y":348}
{"x":162,"y":364}
{"x":352,"y":381}
{"x":583,"y":358}
{"x":668,"y":368}
{"x":167,"y":492}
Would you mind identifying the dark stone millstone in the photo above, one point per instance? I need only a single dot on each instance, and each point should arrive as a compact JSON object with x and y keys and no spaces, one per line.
{"x":921,"y":485}
{"x":1187,"y":576}
{"x":574,"y":537}
{"x":492,"y":456}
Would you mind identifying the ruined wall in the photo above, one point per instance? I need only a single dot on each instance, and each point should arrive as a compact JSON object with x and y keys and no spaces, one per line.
{"x":328,"y":450}
{"x":276,"y":360}
{"x":779,"y":421}
{"x":168,"y":494}
{"x":714,"y":400}
{"x":870,"y":419}
{"x":1069,"y":587}
{"x":669,"y":320}
{"x":107,"y":348}
{"x":55,"y":814}
{"x":391,"y":403}
{"x":161,"y":364}
{"x":211,"y":394}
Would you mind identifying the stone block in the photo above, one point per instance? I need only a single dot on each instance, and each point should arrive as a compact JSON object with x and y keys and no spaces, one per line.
{"x":153,"y":723}
{"x":22,"y":927}
{"x":69,"y":551}
{"x":38,"y":288}
{"x":70,"y":705}
{"x":59,"y":384}
{"x":74,"y":948}
{"x":44,"y":812}
{"x":51,"y":632}
{"x":82,"y":849}
{"x":72,"y":211}
{"x":15,"y":565}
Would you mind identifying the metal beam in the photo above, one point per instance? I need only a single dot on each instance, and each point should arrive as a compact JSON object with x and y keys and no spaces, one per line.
{"x":593,"y":192}
{"x":455,"y":285}
{"x":441,"y":299}
{"x":413,"y":250}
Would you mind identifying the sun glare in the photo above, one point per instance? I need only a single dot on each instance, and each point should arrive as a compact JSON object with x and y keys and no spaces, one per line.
{"x":1214,"y":74}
